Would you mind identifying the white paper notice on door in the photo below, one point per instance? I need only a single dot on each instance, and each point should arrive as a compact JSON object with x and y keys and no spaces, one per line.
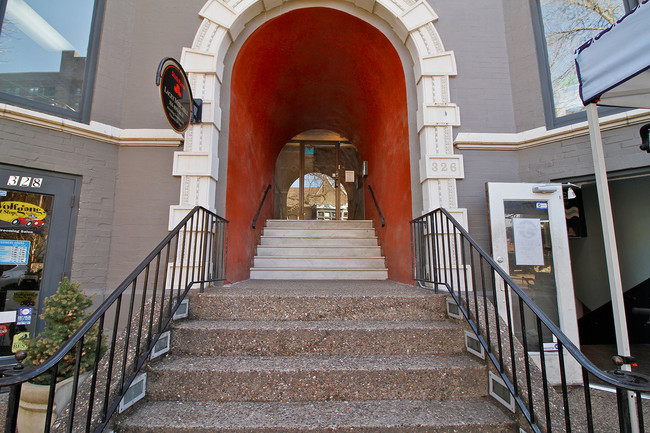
{"x":528,"y":241}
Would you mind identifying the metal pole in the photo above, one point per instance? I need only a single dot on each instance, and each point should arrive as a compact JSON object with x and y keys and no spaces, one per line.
{"x":611,"y":251}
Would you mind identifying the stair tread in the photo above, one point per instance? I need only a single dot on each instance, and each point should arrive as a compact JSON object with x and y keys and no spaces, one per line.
{"x":191,"y":364}
{"x":324,"y":325}
{"x":322,"y":257}
{"x":463,"y":415}
{"x":311,"y":268}
{"x":317,"y":289}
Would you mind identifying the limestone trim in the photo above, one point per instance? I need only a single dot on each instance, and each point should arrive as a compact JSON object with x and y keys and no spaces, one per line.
{"x":94,"y":131}
{"x":541,"y":136}
{"x":409,"y":22}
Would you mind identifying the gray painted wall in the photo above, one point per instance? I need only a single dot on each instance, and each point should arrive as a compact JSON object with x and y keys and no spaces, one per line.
{"x":144,"y":191}
{"x":96,"y":163}
{"x":475,"y":32}
{"x":482,"y":167}
{"x":136,"y":37}
{"x":524,"y":67}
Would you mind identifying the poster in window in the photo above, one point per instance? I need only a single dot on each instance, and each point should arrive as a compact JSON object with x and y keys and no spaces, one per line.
{"x":528,"y":241}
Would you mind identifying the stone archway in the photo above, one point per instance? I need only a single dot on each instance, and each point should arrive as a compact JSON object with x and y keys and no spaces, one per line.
{"x":410,"y":28}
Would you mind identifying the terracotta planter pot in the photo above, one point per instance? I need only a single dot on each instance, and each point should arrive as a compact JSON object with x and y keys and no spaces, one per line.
{"x":32,"y":408}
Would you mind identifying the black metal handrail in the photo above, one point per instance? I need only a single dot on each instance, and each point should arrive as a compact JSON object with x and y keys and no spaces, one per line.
{"x":512,"y":331}
{"x":381,"y":216}
{"x":259,"y":209}
{"x":193,"y":253}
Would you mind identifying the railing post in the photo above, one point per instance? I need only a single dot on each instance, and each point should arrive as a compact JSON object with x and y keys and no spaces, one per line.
{"x":623,"y":411}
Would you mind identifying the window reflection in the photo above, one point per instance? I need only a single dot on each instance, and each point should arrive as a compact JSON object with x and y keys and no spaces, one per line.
{"x":43,"y":51}
{"x":568,"y":24}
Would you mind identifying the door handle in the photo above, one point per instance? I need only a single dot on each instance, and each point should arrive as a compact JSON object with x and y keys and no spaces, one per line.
{"x":499,"y":259}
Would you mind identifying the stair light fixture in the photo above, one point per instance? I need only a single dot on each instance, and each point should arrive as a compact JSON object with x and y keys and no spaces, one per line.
{"x":473,"y":345}
{"x":183,"y":310}
{"x":162,"y":345}
{"x":453,"y":310}
{"x":500,"y":392}
{"x":135,"y":393}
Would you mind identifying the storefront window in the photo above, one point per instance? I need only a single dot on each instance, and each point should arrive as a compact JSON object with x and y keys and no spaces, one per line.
{"x":24,"y":228}
{"x":567,"y":24}
{"x":46,"y":58}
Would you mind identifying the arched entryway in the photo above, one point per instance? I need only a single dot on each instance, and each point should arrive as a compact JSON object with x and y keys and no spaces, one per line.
{"x":347,"y":78}
{"x":383,"y":84}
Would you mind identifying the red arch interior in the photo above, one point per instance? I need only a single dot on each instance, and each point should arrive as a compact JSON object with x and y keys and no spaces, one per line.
{"x":318,"y":68}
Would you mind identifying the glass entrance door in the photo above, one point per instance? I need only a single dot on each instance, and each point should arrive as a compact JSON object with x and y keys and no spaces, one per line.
{"x":530,"y":242}
{"x":321,"y":190}
{"x":37,"y":216}
{"x":319,"y":180}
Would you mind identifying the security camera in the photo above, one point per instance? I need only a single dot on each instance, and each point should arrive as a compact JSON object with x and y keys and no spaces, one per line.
{"x":645,"y":137}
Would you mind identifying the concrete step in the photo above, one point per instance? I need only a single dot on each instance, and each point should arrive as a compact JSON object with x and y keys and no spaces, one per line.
{"x":320,"y":233}
{"x":319,"y":251}
{"x":321,"y":378}
{"x":408,"y":416}
{"x":300,"y":338}
{"x":308,"y":224}
{"x":318,"y":274}
{"x":318,"y":262}
{"x":317,"y":300}
{"x":296,"y":241}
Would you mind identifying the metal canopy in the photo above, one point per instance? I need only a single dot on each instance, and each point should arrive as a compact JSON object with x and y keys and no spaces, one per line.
{"x":614,"y":67}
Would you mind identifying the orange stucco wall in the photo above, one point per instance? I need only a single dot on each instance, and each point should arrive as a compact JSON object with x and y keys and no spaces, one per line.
{"x":318,"y":68}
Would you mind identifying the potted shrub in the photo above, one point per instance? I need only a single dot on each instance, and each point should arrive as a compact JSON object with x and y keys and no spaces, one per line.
{"x":64,"y":313}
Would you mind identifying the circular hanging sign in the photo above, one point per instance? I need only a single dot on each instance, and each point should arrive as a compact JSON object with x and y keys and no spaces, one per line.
{"x":175,"y":94}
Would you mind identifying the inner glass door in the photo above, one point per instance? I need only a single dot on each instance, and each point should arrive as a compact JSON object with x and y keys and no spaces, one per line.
{"x":319,"y":180}
{"x":320,"y":186}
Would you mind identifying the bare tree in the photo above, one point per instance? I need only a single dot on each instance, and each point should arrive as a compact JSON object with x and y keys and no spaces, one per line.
{"x":567,"y":25}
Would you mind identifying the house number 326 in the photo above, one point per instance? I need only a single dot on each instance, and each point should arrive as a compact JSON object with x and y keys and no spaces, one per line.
{"x":443,"y":166}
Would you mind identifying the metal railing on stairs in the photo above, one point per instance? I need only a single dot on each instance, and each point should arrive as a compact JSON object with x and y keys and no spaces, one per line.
{"x":374,"y":199}
{"x":259,"y":209}
{"x":550,"y":388}
{"x":129,"y":324}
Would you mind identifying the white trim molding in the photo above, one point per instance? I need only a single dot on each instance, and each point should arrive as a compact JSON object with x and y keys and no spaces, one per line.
{"x":95,"y":130}
{"x":541,"y":136}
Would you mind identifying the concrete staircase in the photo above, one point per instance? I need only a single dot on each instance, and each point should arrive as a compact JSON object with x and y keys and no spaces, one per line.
{"x":316,"y":250}
{"x":307,"y":356}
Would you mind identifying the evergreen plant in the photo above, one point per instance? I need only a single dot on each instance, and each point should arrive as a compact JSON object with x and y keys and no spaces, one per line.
{"x":64,"y":313}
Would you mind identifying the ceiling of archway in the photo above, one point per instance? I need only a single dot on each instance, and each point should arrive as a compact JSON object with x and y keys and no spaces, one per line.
{"x":319,"y":68}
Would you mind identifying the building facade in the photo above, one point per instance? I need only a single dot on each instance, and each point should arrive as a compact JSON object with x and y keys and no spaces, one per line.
{"x":438,"y":98}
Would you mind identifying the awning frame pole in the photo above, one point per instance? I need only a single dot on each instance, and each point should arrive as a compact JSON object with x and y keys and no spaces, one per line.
{"x":609,"y":236}
{"x":611,"y":250}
